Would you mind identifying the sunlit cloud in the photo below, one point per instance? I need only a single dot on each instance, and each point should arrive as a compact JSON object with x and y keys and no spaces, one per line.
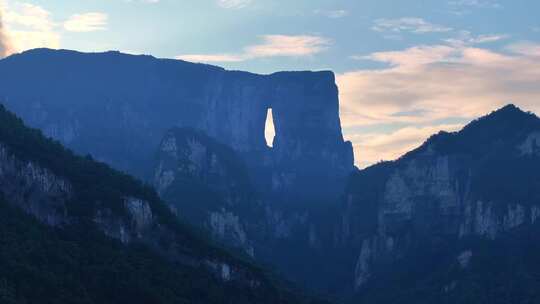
{"x":334,"y":14}
{"x":88,"y":22}
{"x":211,"y":58}
{"x":408,"y":24}
{"x":6,"y":47}
{"x":463,"y":38}
{"x":424,"y":85}
{"x":476,"y":3}
{"x":29,"y":26}
{"x":372,"y":147}
{"x":271,"y":46}
{"x":233,"y":4}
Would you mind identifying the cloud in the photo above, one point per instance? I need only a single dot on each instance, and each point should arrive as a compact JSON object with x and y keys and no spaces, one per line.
{"x":282,"y":45}
{"x":233,"y":4}
{"x":476,"y":3}
{"x":334,"y":14}
{"x":5,"y":42}
{"x":29,"y":26}
{"x":429,"y":84}
{"x":211,"y":58}
{"x":373,"y":147}
{"x":143,"y":1}
{"x":408,"y":24}
{"x":271,"y":46}
{"x":413,"y":57}
{"x":464,"y":38}
{"x":526,"y":48}
{"x":463,"y":7}
{"x":88,"y":22}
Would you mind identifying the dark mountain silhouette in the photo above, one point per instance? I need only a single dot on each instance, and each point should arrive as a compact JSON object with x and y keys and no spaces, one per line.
{"x":119,"y":108}
{"x":454,"y":221}
{"x":72,"y":230}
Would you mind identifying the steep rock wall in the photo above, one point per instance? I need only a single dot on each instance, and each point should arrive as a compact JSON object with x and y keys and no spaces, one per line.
{"x":479,"y":183}
{"x":118,"y":107}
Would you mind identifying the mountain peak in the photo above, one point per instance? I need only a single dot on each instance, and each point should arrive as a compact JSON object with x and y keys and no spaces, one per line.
{"x":507,"y":118}
{"x":505,"y":125}
{"x":510,"y":111}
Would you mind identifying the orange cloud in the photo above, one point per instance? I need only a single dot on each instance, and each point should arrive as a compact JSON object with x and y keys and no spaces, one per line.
{"x":28,"y":26}
{"x":425,"y":85}
{"x":6,"y":47}
{"x":271,"y":46}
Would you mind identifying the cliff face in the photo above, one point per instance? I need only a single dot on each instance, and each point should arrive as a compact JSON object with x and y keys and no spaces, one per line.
{"x":207,"y":184}
{"x":118,"y":107}
{"x":75,"y":195}
{"x":479,"y":183}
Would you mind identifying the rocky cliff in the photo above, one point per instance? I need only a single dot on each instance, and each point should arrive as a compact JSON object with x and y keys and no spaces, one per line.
{"x":207,"y":184}
{"x":120,"y":109}
{"x":479,"y":183}
{"x":117,"y":108}
{"x":76,"y":195}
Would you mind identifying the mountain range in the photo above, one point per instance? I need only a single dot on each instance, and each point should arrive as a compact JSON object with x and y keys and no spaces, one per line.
{"x":453,"y":221}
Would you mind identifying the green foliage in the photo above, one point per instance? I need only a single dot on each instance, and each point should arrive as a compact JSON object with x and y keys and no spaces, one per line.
{"x":96,"y":185}
{"x":502,"y":271}
{"x":199,"y":192}
{"x":484,"y":159}
{"x":78,"y":264}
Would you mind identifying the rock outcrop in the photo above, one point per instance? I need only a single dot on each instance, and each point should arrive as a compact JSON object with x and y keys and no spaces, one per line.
{"x":117,"y":108}
{"x":481,"y":183}
{"x":75,"y":194}
{"x":207,"y":184}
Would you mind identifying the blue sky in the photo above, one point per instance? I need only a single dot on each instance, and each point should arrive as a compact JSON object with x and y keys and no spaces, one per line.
{"x":405,"y":69}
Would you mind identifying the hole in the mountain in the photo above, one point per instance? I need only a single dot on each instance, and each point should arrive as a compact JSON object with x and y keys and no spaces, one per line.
{"x":269,"y":129}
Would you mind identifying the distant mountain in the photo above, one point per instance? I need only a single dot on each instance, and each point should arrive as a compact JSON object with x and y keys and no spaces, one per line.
{"x":454,"y":221}
{"x":207,"y":184}
{"x":117,"y":107}
{"x":72,"y":230}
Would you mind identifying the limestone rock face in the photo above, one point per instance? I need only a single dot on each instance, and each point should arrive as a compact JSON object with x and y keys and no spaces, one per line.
{"x":118,"y":107}
{"x":40,"y":192}
{"x":77,"y":195}
{"x":35,"y":189}
{"x":477,"y":183}
{"x":207,"y":184}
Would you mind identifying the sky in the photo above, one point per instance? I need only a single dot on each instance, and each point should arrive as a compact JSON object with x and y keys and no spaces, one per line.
{"x":405,"y":69}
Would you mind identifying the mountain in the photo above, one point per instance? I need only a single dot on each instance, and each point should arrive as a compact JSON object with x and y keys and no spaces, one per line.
{"x":117,"y":107}
{"x":121,"y":109}
{"x":207,"y":184}
{"x":454,"y":221}
{"x":73,"y":230}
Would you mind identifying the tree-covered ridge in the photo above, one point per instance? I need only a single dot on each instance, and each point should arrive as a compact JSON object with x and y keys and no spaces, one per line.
{"x":76,"y":263}
{"x":205,"y":183}
{"x":489,"y":149}
{"x":463,"y":207}
{"x":500,"y":130}
{"x":95,"y":184}
{"x":471,"y":271}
